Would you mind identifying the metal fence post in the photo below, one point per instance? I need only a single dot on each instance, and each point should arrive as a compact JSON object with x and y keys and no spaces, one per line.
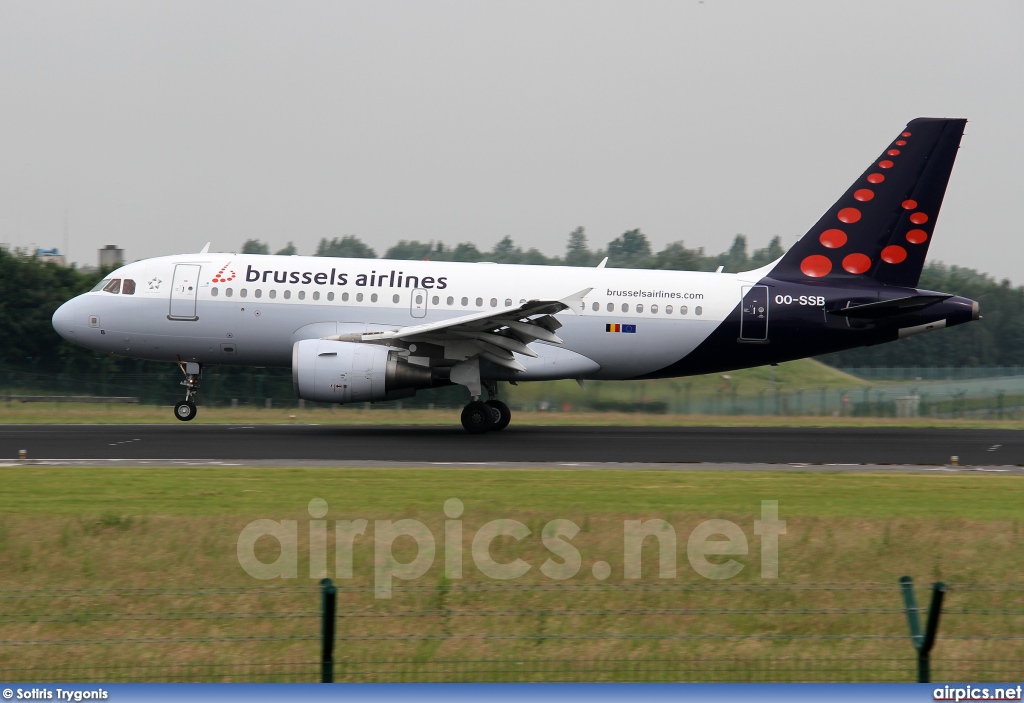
{"x":923,"y":642}
{"x":328,"y":602}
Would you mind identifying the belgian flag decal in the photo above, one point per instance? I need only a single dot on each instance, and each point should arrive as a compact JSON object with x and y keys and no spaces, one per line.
{"x":626,"y":329}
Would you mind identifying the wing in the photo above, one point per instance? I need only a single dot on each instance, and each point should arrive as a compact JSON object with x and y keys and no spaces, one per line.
{"x":496,"y":335}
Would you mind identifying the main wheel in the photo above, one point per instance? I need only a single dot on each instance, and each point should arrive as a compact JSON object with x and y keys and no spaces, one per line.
{"x":185,"y":410}
{"x":502,"y":415}
{"x":478,"y":417}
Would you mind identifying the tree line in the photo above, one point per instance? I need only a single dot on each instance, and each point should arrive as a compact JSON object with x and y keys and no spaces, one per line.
{"x":33,"y":355}
{"x":632,"y":249}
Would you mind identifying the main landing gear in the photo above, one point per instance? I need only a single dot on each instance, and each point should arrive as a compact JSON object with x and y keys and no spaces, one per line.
{"x":186,"y":409}
{"x":490,"y":416}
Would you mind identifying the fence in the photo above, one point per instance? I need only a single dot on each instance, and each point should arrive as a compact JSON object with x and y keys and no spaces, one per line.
{"x":985,"y":393}
{"x":551,"y":631}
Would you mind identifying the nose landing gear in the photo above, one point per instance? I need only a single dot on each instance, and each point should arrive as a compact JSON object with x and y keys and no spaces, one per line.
{"x":186,"y":409}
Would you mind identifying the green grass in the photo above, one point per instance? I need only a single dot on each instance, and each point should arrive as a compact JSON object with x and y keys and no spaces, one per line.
{"x":93,"y":414}
{"x":157,"y":528}
{"x":27,"y":490}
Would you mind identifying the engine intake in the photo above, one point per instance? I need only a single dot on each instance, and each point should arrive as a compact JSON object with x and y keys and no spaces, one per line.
{"x":329,"y":371}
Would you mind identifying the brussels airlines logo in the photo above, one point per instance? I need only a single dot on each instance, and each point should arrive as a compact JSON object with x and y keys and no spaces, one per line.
{"x":219,"y":277}
{"x":390,"y":279}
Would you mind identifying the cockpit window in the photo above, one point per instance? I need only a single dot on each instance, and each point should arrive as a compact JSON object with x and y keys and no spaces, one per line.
{"x":128,"y":287}
{"x":100,"y":286}
{"x":113,"y":286}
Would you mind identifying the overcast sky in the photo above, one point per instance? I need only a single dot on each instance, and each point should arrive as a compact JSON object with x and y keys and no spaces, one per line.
{"x":159,"y":126}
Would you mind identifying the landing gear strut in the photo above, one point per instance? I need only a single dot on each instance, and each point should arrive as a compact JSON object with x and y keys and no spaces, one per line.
{"x":502,"y":414}
{"x":186,"y":409}
{"x":493,"y":415}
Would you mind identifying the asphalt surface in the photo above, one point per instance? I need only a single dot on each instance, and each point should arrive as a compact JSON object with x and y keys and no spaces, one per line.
{"x":335,"y":444}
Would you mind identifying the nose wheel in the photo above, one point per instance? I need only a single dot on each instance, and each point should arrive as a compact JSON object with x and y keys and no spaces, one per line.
{"x":186,"y":409}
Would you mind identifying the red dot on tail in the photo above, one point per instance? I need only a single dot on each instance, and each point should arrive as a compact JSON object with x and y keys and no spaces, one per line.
{"x":876,"y":178}
{"x":894,"y":254}
{"x":885,"y":164}
{"x":905,"y":134}
{"x":856,"y":263}
{"x":893,"y":152}
{"x":864,"y":195}
{"x":917,"y":236}
{"x":909,"y":204}
{"x":901,"y":142}
{"x":919,"y":218}
{"x":832,"y":238}
{"x":849,"y":215}
{"x":815,"y":266}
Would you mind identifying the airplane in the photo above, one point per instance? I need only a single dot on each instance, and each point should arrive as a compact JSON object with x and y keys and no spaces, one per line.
{"x":365,"y":330}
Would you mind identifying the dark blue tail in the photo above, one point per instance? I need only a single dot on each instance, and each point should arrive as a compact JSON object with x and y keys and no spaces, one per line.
{"x":881,"y":228}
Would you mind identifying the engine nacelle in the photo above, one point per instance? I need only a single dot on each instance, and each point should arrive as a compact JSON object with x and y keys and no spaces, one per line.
{"x":346,"y":372}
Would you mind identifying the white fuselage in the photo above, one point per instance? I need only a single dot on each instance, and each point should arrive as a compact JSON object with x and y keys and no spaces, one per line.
{"x":250,"y":309}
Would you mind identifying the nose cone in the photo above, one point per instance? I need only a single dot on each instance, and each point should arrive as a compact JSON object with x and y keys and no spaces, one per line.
{"x":64,"y":320}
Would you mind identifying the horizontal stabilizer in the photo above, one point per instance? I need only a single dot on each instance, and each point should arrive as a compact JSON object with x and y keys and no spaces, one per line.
{"x":889,"y":308}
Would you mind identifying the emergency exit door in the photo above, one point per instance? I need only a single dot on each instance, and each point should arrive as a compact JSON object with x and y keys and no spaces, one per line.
{"x":418,"y":303}
{"x":754,"y":314}
{"x":184,"y":290}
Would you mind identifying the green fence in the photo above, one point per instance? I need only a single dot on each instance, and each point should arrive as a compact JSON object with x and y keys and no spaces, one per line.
{"x":786,"y":632}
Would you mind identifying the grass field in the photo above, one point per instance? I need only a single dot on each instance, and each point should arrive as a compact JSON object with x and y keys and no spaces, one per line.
{"x":115,"y":414}
{"x":175,"y":531}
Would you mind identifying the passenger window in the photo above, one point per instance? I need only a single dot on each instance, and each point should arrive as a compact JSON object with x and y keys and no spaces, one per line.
{"x":330,"y":296}
{"x":302,"y":295}
{"x":435,"y":301}
{"x":243,"y":293}
{"x":316,"y":295}
{"x":682,"y":309}
{"x":595,"y":307}
{"x":128,"y":288}
{"x":654,"y":308}
{"x":258,"y":293}
{"x":373,"y":298}
{"x":640,"y":307}
{"x":668,"y":309}
{"x":494,"y":302}
{"x":451,"y":300}
{"x":479,"y":302}
{"x":394,"y":298}
{"x":611,"y":307}
{"x":273,"y":294}
{"x":465,"y":302}
{"x":287,"y":294}
{"x":344,"y":297}
{"x":113,"y":287}
{"x":213,"y":292}
{"x":698,"y":310}
{"x":625,"y":307}
{"x":419,"y":299}
{"x":228,"y":292}
{"x":359,"y":297}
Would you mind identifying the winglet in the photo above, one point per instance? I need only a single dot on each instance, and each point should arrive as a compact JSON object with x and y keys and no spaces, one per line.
{"x":575,"y":300}
{"x":206,"y":249}
{"x":604,"y":261}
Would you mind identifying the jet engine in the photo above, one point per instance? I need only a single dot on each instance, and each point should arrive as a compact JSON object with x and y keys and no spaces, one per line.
{"x":328,"y":371}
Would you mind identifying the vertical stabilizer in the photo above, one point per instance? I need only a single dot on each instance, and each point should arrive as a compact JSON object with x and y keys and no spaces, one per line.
{"x":881,"y":228}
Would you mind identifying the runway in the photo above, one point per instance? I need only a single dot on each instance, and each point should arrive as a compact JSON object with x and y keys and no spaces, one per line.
{"x":627,"y":446}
